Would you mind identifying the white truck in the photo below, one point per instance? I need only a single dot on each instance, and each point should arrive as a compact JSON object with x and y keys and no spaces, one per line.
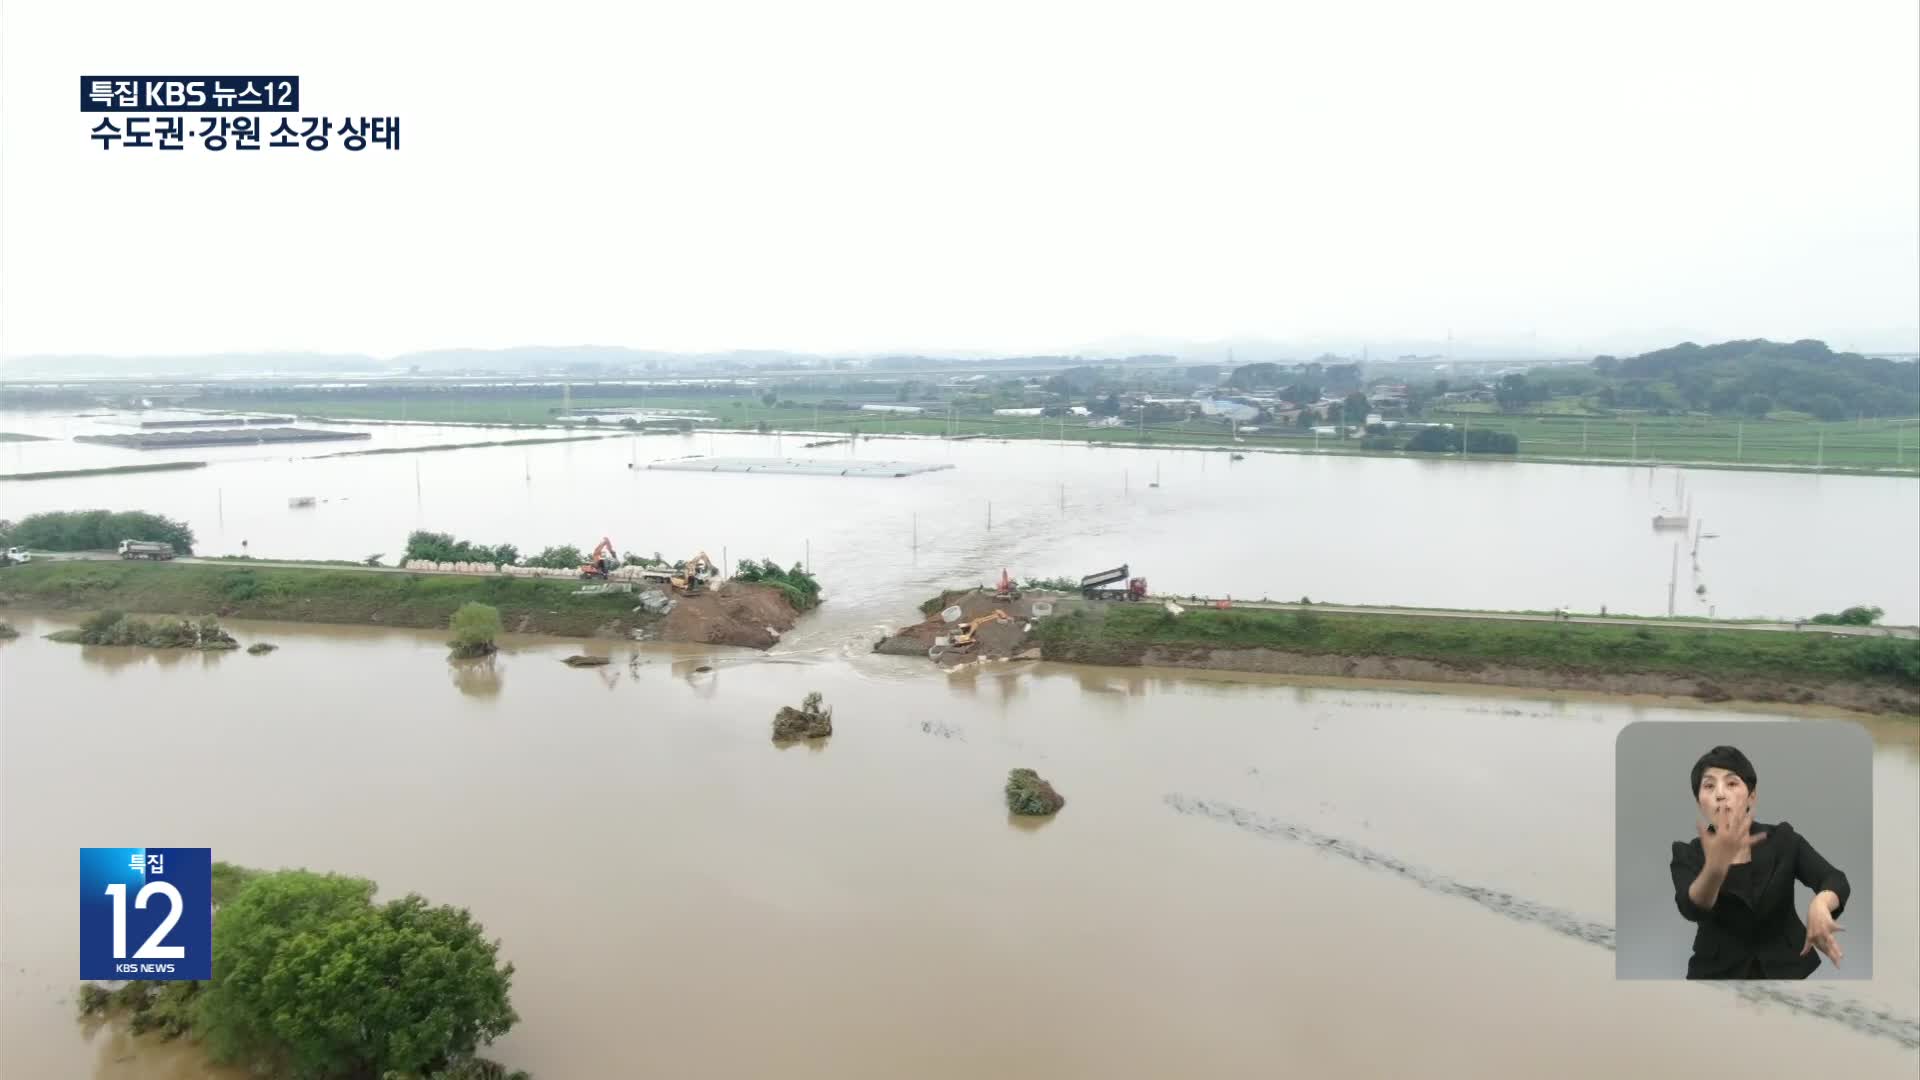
{"x":18,"y":555}
{"x":145,"y":549}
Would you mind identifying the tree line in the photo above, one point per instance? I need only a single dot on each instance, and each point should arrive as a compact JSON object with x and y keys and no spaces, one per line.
{"x":94,"y":530}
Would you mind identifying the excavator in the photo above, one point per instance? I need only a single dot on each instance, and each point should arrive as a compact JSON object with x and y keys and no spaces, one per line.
{"x":602,"y":562}
{"x":689,"y":577}
{"x":963,"y":638}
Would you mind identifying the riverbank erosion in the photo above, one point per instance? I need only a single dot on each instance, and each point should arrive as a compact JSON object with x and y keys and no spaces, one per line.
{"x":1862,"y":674}
{"x":735,"y":614}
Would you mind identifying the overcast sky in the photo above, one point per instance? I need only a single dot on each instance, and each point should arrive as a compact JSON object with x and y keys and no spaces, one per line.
{"x":1024,"y":176}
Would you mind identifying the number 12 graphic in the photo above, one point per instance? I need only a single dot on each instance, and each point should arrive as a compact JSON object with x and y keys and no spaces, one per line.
{"x":170,"y":914}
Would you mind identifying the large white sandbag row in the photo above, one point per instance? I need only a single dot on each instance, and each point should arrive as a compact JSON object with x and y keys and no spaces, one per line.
{"x":624,"y":573}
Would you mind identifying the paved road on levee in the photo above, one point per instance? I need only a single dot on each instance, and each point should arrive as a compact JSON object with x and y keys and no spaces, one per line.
{"x":1521,"y":616}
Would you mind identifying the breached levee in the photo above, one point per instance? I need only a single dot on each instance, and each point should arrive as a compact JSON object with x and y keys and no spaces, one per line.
{"x":1819,"y":1002}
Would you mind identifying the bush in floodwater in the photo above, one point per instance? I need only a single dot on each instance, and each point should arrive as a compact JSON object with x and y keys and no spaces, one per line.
{"x":7,"y":632}
{"x":312,"y":976}
{"x":113,"y":628}
{"x":475,"y":630}
{"x":812,"y":720}
{"x":1029,"y":795}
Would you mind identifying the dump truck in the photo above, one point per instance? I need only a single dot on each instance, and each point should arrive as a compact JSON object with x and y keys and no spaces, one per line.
{"x":145,"y":549}
{"x":1095,"y":586}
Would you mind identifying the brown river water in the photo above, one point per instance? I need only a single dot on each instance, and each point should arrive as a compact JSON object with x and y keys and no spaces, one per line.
{"x":683,"y":899}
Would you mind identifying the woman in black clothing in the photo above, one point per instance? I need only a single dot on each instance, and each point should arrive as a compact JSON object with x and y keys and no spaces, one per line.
{"x":1736,"y":882}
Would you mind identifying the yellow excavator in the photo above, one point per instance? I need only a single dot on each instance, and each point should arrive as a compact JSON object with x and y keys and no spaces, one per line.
{"x":963,"y":638}
{"x":689,"y":577}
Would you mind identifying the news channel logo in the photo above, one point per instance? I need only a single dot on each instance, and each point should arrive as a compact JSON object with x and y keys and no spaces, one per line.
{"x":146,"y":913}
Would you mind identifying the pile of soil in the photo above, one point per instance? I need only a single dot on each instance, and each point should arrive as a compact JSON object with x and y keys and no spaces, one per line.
{"x":736,"y":613}
{"x":995,"y":641}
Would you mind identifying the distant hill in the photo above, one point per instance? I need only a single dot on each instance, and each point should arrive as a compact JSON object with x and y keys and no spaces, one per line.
{"x":1758,"y":376}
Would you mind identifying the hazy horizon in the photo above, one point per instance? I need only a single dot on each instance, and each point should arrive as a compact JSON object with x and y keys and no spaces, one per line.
{"x":857,"y":179}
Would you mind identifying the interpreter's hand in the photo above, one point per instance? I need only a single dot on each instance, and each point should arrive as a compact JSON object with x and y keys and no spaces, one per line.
{"x":1730,"y":836}
{"x":1820,"y":931}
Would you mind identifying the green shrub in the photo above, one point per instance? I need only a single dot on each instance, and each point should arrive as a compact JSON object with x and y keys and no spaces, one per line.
{"x":1859,"y":615}
{"x":442,"y":547}
{"x":800,"y":587}
{"x":475,"y":628}
{"x":1888,"y":658}
{"x":1030,"y":796}
{"x":241,"y":587}
{"x":562,"y":557}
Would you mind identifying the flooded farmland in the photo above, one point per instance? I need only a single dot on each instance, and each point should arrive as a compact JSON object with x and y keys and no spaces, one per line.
{"x":1493,"y":535}
{"x":681,"y":897}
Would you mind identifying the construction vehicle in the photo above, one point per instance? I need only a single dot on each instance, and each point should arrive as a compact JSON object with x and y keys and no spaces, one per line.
{"x":602,"y":562}
{"x":1095,"y":586}
{"x":145,"y":549}
{"x":963,"y":639}
{"x":1005,"y":590}
{"x":689,"y":577}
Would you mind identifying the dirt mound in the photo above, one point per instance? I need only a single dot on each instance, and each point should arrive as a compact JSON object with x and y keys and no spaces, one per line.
{"x":736,"y":613}
{"x":999,"y":640}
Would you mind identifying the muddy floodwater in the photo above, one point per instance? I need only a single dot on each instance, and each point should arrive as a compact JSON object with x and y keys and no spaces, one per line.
{"x":681,"y":898}
{"x":1445,"y":533}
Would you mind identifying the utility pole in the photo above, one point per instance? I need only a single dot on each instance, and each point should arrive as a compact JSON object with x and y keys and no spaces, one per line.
{"x":1740,"y":441}
{"x":1673,"y":579}
{"x":1820,"y":451}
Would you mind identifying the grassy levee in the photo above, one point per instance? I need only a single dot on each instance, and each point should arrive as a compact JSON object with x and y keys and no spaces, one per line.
{"x":1122,"y":633}
{"x":354,"y":597}
{"x":107,"y":470}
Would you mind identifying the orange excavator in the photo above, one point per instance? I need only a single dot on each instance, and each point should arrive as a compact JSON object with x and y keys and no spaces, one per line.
{"x":602,"y":562}
{"x":964,"y":639}
{"x":689,"y":577}
{"x":1005,"y":590}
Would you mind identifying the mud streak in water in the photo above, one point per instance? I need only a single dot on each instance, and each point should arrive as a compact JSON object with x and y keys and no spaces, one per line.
{"x":1813,"y":1002}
